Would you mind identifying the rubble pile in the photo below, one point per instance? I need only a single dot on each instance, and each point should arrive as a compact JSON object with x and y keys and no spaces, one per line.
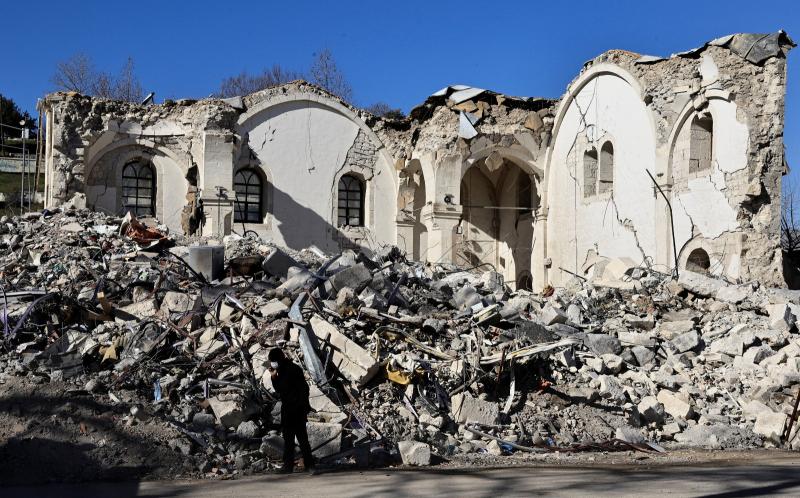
{"x":406,"y":362}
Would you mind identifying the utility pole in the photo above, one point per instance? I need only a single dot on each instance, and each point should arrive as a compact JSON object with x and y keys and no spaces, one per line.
{"x":24,"y":135}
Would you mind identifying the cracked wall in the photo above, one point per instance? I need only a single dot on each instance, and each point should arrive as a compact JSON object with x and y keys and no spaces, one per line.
{"x":706,"y":123}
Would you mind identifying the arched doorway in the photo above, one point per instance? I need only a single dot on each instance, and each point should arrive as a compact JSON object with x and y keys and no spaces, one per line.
{"x":498,"y":199}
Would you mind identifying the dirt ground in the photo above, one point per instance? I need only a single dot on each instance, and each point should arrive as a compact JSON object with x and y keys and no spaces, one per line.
{"x":52,"y":432}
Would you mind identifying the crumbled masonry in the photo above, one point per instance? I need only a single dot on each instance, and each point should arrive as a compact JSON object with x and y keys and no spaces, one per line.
{"x":155,"y":369}
{"x":663,"y":162}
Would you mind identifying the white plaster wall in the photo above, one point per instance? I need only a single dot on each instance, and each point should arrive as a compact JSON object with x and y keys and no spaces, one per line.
{"x":304,"y":144}
{"x":705,"y":204}
{"x":614,"y":108}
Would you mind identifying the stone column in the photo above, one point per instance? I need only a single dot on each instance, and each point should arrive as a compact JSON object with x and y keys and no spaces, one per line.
{"x":216,"y":176}
{"x":539,"y":260}
{"x":441,"y":220}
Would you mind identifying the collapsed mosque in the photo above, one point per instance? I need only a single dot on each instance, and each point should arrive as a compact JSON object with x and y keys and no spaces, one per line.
{"x":665,"y":162}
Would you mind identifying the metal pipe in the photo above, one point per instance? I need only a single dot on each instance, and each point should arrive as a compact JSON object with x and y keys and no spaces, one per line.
{"x":671,"y":221}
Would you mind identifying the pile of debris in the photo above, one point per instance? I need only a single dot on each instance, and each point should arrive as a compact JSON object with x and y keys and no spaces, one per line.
{"x":407,"y":362}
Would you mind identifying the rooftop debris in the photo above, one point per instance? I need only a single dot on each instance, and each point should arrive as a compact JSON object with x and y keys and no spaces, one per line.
{"x":407,"y":362}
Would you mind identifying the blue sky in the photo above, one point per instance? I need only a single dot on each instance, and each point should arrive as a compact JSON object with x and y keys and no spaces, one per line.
{"x":398,"y":52}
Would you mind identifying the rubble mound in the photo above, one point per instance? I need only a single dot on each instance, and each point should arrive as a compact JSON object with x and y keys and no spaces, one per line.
{"x":123,"y":356}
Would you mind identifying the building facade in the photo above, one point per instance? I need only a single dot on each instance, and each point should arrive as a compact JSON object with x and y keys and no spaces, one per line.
{"x":653,"y":161}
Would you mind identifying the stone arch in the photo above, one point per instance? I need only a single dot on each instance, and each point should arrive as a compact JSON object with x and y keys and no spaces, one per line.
{"x":698,"y":261}
{"x":687,"y":114}
{"x":329,"y":102}
{"x":103,"y":178}
{"x":702,"y":255}
{"x":567,"y":100}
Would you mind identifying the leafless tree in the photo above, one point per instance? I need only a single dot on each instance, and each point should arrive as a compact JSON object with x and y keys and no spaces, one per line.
{"x":76,"y":74}
{"x":325,"y":73}
{"x":245,"y":83}
{"x":790,"y":220}
{"x":127,"y":86}
{"x":384,"y":110}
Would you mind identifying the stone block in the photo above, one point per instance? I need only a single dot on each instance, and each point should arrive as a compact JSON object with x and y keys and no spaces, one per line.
{"x":781,"y":317}
{"x":136,"y":311}
{"x":179,"y":302}
{"x":601,"y":344}
{"x":464,"y":408}
{"x":231,"y":409}
{"x":671,"y":330}
{"x":320,"y":432}
{"x":770,"y":425}
{"x":356,"y":277}
{"x":353,"y":361}
{"x":675,"y":406}
{"x":550,"y":315}
{"x":757,"y":354}
{"x":277,"y":263}
{"x":273,"y":309}
{"x":644,"y":356}
{"x":686,"y":342}
{"x":651,"y":410}
{"x":414,"y":453}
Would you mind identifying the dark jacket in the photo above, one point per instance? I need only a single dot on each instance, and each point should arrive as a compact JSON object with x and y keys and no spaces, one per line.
{"x":291,"y":386}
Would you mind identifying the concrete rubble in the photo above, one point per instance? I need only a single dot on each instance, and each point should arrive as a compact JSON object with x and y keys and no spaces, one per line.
{"x":443,"y":364}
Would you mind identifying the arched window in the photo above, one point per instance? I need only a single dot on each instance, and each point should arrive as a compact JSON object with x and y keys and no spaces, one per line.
{"x":138,"y":188}
{"x":700,"y":143}
{"x":606,"y":179}
{"x":590,"y":172}
{"x":351,"y":201}
{"x":249,"y":190}
{"x":698,"y":261}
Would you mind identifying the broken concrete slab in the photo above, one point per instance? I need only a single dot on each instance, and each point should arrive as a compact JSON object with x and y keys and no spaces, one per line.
{"x":414,"y":453}
{"x":464,"y":409}
{"x":353,"y":361}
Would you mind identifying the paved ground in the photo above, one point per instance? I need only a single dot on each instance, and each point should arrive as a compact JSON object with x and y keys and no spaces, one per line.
{"x":762,"y":476}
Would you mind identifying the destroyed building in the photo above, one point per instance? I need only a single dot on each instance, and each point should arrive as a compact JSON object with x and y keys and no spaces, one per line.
{"x":540,"y":189}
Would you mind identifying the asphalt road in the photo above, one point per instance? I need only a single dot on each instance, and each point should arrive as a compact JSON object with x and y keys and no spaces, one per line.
{"x":762,"y":477}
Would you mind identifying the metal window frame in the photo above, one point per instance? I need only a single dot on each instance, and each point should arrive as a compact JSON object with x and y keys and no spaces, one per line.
{"x":347,"y":186}
{"x":134,"y":171}
{"x":242,"y":212}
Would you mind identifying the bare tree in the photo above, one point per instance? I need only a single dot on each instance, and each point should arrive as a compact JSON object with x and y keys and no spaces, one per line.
{"x":245,"y":83}
{"x":76,"y":74}
{"x":127,"y":86}
{"x":325,"y":73}
{"x":384,"y":110}
{"x":790,"y":220}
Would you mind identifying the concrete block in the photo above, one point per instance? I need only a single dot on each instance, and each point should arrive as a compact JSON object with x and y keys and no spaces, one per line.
{"x":414,"y":453}
{"x":601,"y":344}
{"x":320,"y":432}
{"x":179,"y":302}
{"x":353,"y":361}
{"x":770,"y":425}
{"x":781,"y":317}
{"x":671,"y":330}
{"x":231,"y":409}
{"x":136,"y":311}
{"x":277,"y":263}
{"x":651,"y":409}
{"x":644,"y":356}
{"x":464,"y":408}
{"x":686,"y":342}
{"x":550,"y":315}
{"x":208,"y":261}
{"x":675,"y":406}
{"x":356,"y":277}
{"x":273,"y":308}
